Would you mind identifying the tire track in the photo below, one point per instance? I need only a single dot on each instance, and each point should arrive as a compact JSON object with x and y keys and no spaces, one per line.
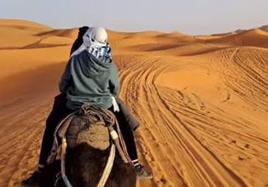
{"x":171,"y":122}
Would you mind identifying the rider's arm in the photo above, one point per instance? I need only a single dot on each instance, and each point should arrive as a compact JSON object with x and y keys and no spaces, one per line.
{"x":114,"y":81}
{"x":66,"y":78}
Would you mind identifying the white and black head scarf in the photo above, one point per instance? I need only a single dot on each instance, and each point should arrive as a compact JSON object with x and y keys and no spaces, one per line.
{"x":95,"y":42}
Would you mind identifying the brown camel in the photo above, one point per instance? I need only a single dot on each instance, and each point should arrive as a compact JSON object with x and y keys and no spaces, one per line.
{"x":88,"y":149}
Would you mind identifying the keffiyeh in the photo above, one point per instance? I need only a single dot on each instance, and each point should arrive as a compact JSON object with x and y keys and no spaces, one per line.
{"x":99,"y":49}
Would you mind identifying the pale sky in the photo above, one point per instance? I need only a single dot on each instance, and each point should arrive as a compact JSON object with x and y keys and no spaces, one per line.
{"x":187,"y":16}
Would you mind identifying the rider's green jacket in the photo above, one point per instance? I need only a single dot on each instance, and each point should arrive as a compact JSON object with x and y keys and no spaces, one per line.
{"x":89,"y":80}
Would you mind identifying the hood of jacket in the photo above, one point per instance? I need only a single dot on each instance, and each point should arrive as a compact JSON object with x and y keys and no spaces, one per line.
{"x":89,"y":64}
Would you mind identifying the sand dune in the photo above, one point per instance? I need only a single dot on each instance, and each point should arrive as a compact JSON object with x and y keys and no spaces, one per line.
{"x":254,"y":37}
{"x":202,"y":101}
{"x":26,"y":45}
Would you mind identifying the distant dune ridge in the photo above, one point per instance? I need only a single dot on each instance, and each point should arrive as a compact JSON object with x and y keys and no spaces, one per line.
{"x":202,"y":101}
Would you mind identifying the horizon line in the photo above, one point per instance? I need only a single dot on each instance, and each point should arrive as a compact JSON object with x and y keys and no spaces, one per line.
{"x":138,"y":31}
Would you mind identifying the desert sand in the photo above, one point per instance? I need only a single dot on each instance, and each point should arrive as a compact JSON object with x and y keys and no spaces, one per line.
{"x":202,"y":101}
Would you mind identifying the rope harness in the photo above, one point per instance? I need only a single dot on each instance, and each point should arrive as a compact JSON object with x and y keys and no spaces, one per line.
{"x":92,"y":113}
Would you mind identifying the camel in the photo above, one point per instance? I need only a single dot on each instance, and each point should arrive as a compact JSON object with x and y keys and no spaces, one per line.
{"x":88,"y":148}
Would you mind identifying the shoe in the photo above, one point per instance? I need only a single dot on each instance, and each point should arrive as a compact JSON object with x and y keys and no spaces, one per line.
{"x":142,"y":173}
{"x":34,"y":179}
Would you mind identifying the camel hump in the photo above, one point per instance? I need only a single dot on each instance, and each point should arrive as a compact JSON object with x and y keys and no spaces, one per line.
{"x":97,"y":136}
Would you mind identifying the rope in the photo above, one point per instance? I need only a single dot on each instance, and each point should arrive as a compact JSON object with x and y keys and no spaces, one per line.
{"x":55,"y":146}
{"x":116,"y":141}
{"x":62,"y":164}
{"x":121,"y":145}
{"x":108,"y":168}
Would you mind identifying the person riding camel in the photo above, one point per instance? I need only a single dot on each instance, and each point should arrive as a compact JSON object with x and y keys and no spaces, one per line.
{"x":90,"y":77}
